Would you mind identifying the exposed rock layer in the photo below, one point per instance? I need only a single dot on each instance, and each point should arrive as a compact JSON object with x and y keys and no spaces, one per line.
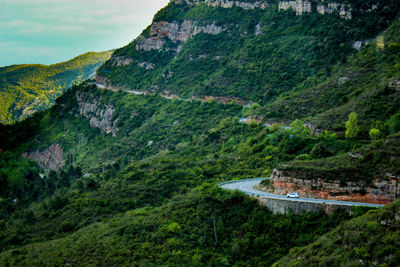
{"x":301,"y":7}
{"x":227,"y":3}
{"x":49,"y":159}
{"x":176,"y":32}
{"x":381,"y":191}
{"x":100,"y":116}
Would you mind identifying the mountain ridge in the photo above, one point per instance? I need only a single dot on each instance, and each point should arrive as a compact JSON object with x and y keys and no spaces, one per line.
{"x":28,"y":88}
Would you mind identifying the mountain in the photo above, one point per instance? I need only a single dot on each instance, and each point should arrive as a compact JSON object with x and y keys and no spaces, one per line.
{"x":25,"y":89}
{"x":293,"y":62}
{"x":123,"y":170}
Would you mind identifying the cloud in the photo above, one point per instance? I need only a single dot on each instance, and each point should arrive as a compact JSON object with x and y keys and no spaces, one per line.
{"x":104,"y":23}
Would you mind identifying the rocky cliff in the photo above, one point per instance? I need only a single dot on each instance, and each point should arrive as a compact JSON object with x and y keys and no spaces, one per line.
{"x":176,"y":32}
{"x":301,"y":7}
{"x":382,"y":191}
{"x":241,"y":49}
{"x":99,"y":115}
{"x":49,"y":159}
{"x":180,"y":32}
{"x":226,"y":3}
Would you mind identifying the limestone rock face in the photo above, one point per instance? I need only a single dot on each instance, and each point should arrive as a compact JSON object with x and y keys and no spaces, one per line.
{"x":382,"y":191}
{"x":49,"y":159}
{"x":230,"y":4}
{"x":305,"y":6}
{"x":299,"y":6}
{"x":147,"y":65}
{"x":118,"y":61}
{"x":100,"y":116}
{"x":344,"y":10}
{"x":176,"y":32}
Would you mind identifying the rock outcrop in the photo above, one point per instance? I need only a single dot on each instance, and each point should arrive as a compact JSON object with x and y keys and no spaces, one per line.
{"x":382,"y":191}
{"x":118,"y":61}
{"x":100,"y":116}
{"x":299,"y":6}
{"x":49,"y":159}
{"x":177,"y":32}
{"x":146,"y":65}
{"x":344,"y":10}
{"x":304,"y":6}
{"x":227,"y":3}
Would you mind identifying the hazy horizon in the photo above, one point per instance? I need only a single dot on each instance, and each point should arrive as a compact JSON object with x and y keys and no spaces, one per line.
{"x":49,"y":32}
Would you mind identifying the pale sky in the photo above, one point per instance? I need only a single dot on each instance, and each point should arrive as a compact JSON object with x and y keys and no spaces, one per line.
{"x":52,"y":31}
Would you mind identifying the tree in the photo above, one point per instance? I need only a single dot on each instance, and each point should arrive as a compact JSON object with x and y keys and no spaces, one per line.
{"x":394,"y":123}
{"x":352,"y":128}
{"x":297,"y":127}
{"x":374,"y":134}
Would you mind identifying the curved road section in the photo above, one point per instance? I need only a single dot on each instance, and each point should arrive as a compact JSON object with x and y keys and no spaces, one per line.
{"x":247,"y":187}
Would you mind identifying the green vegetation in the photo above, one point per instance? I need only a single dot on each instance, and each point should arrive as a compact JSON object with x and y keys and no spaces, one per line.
{"x":287,"y":67}
{"x":352,"y":128}
{"x":191,"y":142}
{"x":374,"y":134}
{"x":365,"y":84}
{"x":372,"y":239}
{"x":181,"y":232}
{"x":138,"y":184}
{"x":25,"y":89}
{"x":363,"y":165}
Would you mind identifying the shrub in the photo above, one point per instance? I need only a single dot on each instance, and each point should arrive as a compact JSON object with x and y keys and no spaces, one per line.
{"x":374,"y":134}
{"x":352,"y":128}
{"x":394,"y":123}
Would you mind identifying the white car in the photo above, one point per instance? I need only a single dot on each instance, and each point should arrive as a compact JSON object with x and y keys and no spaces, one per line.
{"x":293,"y":195}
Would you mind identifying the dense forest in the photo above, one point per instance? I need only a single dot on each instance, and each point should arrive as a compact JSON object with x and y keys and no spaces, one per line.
{"x":118,"y":177}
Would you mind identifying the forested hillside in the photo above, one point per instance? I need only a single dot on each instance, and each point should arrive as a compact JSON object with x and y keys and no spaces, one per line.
{"x":297,"y":65}
{"x":372,"y":239}
{"x":127,"y":173}
{"x":25,"y":89}
{"x":148,"y":152}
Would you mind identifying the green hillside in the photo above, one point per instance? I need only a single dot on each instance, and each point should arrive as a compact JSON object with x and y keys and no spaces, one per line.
{"x":180,"y":232}
{"x":372,"y":239}
{"x":367,"y":84}
{"x":25,"y":89}
{"x":286,"y":62}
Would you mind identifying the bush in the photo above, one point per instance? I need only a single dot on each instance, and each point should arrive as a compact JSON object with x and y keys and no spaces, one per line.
{"x":394,"y":123}
{"x":374,"y":134}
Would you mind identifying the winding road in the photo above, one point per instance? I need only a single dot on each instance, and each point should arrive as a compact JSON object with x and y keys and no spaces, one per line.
{"x":247,"y":187}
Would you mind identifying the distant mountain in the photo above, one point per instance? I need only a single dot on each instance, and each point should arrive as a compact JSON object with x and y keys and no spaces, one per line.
{"x":25,"y":89}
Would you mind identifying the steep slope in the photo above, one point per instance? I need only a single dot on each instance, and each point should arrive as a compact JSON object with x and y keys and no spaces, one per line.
{"x":25,"y":89}
{"x":371,"y":240}
{"x":99,"y":153}
{"x":368,"y":83}
{"x":368,"y":174}
{"x":247,"y":49}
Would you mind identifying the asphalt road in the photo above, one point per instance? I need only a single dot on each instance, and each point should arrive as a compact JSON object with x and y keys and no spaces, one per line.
{"x":247,"y":187}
